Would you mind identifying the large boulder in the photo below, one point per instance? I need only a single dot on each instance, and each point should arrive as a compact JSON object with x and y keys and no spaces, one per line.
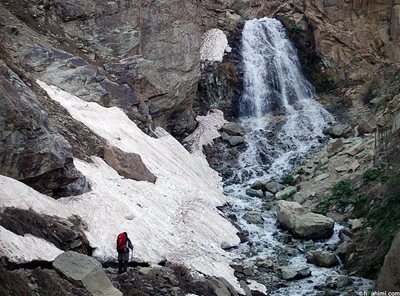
{"x":220,"y":287}
{"x":233,"y":129}
{"x":322,"y":258}
{"x":389,"y":276}
{"x":87,"y":271}
{"x":303,"y":224}
{"x":129,"y":165}
{"x":293,"y":273}
{"x":253,"y":217}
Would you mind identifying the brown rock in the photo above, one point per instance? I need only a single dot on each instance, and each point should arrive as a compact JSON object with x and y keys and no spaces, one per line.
{"x":389,"y":276}
{"x":128,"y":165}
{"x":394,"y":28}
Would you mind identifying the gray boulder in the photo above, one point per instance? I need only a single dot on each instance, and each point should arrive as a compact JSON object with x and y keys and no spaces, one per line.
{"x":129,"y":165}
{"x":258,"y":185}
{"x":273,"y":187}
{"x":87,"y":271}
{"x":286,"y":193}
{"x":339,"y":130}
{"x":322,"y":258}
{"x":254,"y":193}
{"x":232,"y":140}
{"x":253,"y":217}
{"x":294,"y":273}
{"x":303,"y":224}
{"x":233,"y":129}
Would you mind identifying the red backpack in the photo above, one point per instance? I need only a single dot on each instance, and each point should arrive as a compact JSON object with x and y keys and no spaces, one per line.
{"x":121,"y":242}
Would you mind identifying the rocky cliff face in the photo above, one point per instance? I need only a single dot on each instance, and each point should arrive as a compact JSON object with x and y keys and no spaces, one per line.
{"x":141,"y":56}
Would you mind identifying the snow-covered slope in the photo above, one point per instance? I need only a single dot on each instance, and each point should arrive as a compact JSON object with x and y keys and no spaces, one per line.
{"x":175,"y":218}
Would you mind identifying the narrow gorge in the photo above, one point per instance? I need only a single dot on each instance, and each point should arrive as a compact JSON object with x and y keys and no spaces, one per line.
{"x":247,"y":147}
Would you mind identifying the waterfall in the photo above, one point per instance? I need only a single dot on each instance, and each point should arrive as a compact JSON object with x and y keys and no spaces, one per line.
{"x":278,"y":102}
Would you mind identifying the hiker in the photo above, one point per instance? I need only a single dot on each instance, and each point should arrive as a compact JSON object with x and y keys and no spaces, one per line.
{"x":123,"y":246}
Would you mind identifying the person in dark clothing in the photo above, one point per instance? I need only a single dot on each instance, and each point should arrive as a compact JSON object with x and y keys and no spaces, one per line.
{"x":123,"y":253}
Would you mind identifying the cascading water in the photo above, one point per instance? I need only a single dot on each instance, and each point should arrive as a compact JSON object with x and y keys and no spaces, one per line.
{"x":285,"y":123}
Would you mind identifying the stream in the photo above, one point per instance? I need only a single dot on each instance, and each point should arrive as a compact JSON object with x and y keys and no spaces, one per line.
{"x":285,"y":124}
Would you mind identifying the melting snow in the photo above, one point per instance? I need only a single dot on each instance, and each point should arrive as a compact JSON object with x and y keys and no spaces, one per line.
{"x":175,"y":218}
{"x":214,"y":45}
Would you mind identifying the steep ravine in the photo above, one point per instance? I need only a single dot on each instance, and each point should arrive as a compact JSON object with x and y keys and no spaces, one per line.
{"x":143,"y":57}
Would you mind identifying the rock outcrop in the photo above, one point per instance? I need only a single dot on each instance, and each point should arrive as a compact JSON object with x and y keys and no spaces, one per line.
{"x":322,"y":258}
{"x":389,"y":276}
{"x":65,"y":234}
{"x":140,"y":56}
{"x":86,"y":271}
{"x":32,"y":150}
{"x":303,"y":224}
{"x":128,"y":165}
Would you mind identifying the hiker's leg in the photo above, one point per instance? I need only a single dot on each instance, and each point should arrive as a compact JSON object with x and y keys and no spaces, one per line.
{"x":126,"y":265}
{"x":120,"y":266}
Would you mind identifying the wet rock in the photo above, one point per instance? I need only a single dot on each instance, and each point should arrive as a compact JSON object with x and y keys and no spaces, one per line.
{"x":286,"y":193}
{"x":293,"y":273}
{"x":336,"y":283}
{"x":303,"y":224}
{"x":233,"y":129}
{"x":254,"y":193}
{"x":273,"y":187}
{"x":322,"y":258}
{"x":258,"y":185}
{"x":128,"y":165}
{"x":253,"y":218}
{"x":268,"y":195}
{"x":87,"y":271}
{"x":339,"y":130}
{"x":232,"y":140}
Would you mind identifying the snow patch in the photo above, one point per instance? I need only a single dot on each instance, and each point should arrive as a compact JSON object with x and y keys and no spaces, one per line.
{"x":26,"y":248}
{"x":206,"y":131}
{"x":176,"y":218}
{"x":214,"y":45}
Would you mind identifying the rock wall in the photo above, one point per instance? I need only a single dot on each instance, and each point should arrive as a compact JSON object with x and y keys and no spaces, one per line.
{"x":389,"y":277}
{"x":141,"y":56}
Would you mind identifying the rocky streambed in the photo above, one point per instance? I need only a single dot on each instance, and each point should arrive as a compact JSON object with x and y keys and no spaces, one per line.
{"x":287,"y":247}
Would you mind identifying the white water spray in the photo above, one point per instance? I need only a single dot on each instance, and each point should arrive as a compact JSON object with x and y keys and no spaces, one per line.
{"x":286,"y":123}
{"x":278,"y":102}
